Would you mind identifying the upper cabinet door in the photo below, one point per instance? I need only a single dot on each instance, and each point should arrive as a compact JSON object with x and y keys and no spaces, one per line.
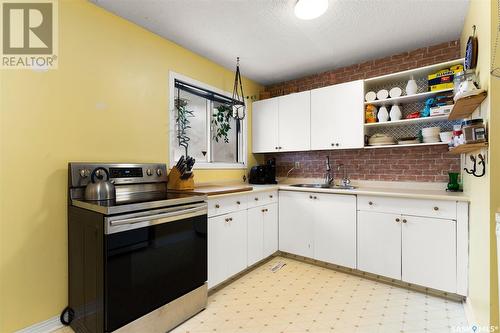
{"x":295,"y":122}
{"x":337,"y":116}
{"x":265,"y":126}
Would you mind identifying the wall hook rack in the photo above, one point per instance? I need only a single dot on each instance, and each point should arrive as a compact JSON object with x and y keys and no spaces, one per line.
{"x":477,"y":161}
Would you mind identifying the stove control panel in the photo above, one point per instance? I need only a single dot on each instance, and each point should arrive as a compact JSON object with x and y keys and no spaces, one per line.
{"x":121,"y":173}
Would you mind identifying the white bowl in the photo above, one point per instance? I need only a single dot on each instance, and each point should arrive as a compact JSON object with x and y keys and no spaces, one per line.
{"x":382,"y":94}
{"x":431,"y":139}
{"x":446,"y":136}
{"x":431,"y":131}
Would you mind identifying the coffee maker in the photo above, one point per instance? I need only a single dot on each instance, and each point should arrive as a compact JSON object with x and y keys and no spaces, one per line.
{"x":264,"y":173}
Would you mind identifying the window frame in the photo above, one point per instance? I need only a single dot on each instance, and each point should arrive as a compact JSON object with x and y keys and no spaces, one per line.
{"x":172,"y":128}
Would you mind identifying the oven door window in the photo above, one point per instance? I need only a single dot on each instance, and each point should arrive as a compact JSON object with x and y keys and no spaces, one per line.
{"x":151,"y":266}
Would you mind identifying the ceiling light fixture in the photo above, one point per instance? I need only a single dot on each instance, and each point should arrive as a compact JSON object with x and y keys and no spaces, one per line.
{"x":310,"y":9}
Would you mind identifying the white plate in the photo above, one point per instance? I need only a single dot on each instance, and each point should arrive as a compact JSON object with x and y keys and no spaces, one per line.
{"x":370,"y":96}
{"x":395,"y":92}
{"x":382,"y":94}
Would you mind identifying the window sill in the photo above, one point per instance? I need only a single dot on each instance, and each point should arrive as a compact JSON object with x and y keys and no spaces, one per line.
{"x":213,"y":166}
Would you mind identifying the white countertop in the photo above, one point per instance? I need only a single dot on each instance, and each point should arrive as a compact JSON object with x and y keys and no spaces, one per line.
{"x":387,"y":189}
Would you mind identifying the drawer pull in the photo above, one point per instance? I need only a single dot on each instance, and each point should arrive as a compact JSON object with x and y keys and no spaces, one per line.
{"x":310,"y":197}
{"x":404,"y":221}
{"x":370,"y":203}
{"x":230,"y":219}
{"x":397,"y":220}
{"x":271,"y":196}
{"x":315,"y":197}
{"x":256,"y":199}
{"x":217,"y":206}
{"x":226,"y":219}
{"x":238,"y":202}
{"x":436,"y":208}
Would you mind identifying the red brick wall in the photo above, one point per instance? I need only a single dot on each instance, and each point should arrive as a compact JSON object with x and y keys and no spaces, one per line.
{"x":425,"y":164}
{"x":422,"y":164}
{"x":396,"y":63}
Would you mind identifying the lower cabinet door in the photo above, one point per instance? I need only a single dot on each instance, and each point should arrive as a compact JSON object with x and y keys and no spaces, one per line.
{"x":270,"y":230}
{"x":296,"y":223}
{"x":379,"y":244}
{"x":217,"y":249}
{"x":255,"y":237}
{"x":236,"y":243}
{"x":335,"y":229}
{"x":429,"y":252}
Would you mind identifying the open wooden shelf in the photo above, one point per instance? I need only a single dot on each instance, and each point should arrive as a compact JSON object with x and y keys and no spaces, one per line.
{"x":468,"y":148}
{"x":465,"y":106}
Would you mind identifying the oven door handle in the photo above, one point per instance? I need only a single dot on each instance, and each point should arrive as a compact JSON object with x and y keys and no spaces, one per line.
{"x":163,"y":217}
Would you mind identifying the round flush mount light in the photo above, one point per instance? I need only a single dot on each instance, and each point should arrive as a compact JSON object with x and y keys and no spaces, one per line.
{"x":310,"y":9}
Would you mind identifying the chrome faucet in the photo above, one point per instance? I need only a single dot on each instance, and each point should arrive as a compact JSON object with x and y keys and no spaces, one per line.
{"x":329,"y":179}
{"x":345,"y":179}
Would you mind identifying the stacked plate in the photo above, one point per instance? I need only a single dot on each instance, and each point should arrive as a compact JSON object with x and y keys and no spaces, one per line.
{"x":431,"y":134}
{"x":381,"y":140}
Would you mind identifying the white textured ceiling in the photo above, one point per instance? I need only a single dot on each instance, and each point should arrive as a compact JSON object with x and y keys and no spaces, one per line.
{"x":275,"y":46}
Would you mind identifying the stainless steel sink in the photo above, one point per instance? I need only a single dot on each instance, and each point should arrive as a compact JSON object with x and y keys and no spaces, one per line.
{"x":335,"y":187}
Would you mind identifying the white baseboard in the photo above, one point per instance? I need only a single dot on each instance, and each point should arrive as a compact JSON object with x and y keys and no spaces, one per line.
{"x":47,"y":326}
{"x":469,"y":313}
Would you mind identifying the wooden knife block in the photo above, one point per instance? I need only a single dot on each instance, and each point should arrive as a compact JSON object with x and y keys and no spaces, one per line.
{"x":176,"y":183}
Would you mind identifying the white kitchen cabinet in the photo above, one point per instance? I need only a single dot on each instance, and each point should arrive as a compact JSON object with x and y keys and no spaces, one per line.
{"x":262,"y":232}
{"x":270,"y":230}
{"x":337,"y":116}
{"x":379,"y":243}
{"x":294,"y":122}
{"x":429,"y":252}
{"x":265,"y":125}
{"x":319,"y":226}
{"x":295,"y":223}
{"x":282,"y":123}
{"x":227,"y":246}
{"x":255,"y":243}
{"x":334,"y":235}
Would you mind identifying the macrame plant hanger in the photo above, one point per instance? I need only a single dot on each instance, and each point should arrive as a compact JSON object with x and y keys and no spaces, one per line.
{"x":239,"y":107}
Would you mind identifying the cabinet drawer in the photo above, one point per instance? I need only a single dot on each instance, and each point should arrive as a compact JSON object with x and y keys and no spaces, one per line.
{"x":262,"y":198}
{"x":226,"y":204}
{"x":417,"y":207}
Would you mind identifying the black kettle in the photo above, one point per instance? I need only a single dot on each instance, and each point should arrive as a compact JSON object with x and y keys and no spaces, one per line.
{"x":100,"y":189}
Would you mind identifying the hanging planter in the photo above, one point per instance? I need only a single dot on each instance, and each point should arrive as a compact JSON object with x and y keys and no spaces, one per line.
{"x":239,"y":107}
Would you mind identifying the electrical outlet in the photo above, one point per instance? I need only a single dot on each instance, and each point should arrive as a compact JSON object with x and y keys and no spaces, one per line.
{"x":297,"y":165}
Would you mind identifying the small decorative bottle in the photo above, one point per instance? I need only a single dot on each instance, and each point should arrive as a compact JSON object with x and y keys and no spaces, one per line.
{"x":396,"y":113}
{"x":411,"y":86}
{"x":382,"y":114}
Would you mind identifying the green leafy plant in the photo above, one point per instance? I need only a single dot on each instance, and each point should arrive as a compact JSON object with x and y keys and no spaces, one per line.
{"x":182,"y":121}
{"x":221,"y":122}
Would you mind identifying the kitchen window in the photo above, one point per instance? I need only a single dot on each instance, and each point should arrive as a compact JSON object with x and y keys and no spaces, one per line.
{"x":200,"y":123}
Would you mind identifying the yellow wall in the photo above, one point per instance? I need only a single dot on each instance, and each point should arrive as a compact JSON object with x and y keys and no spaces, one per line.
{"x":494,"y":138}
{"x":108,"y":101}
{"x":478,"y":189}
